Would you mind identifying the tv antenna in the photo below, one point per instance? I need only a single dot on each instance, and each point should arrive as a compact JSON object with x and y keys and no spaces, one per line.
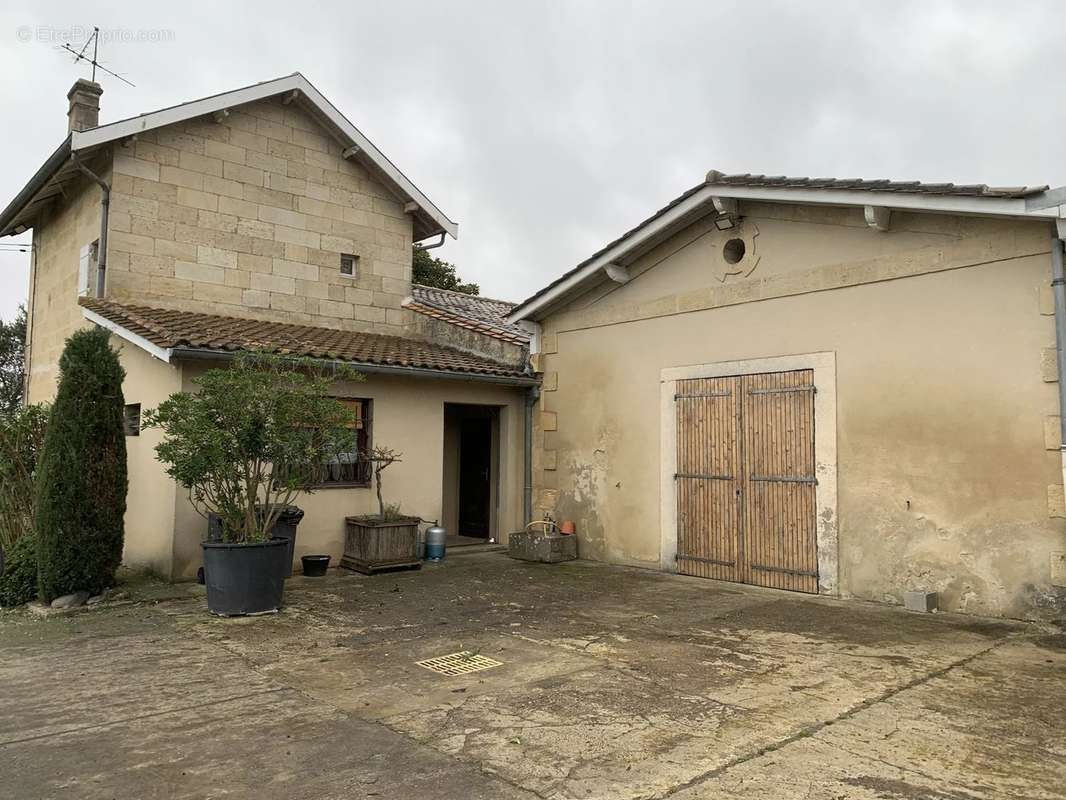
{"x":79,"y":55}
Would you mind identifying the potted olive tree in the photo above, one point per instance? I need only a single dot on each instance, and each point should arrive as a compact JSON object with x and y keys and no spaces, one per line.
{"x":245,"y":445}
{"x":386,"y":540}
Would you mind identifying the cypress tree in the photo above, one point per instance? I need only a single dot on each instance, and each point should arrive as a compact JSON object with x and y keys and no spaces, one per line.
{"x":81,"y":480}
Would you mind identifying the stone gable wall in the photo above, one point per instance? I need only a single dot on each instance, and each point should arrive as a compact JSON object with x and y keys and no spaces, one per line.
{"x":248,"y":216}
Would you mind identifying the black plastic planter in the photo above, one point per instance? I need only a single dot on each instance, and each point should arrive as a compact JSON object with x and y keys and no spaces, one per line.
{"x":285,"y":528}
{"x":245,"y":578}
{"x":315,"y":566}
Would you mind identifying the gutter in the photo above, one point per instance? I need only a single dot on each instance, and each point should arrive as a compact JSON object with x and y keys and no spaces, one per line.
{"x":1058,"y":287}
{"x":532,"y":395}
{"x":105,"y":209}
{"x":198,"y":354}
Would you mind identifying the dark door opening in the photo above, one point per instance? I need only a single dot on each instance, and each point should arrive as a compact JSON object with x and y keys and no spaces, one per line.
{"x":470,"y":465}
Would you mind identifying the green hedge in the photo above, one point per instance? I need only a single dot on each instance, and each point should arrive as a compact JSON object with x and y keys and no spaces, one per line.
{"x":81,"y":479}
{"x":18,"y":583}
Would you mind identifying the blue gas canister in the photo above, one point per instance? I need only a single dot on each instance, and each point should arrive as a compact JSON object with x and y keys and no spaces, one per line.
{"x":435,"y":543}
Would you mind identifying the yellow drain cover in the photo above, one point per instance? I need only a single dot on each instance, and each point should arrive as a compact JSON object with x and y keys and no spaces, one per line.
{"x":459,"y":663}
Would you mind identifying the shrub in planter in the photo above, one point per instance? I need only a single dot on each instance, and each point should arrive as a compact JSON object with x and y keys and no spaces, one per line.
{"x":18,"y":581}
{"x":385,"y":540}
{"x":81,"y":480}
{"x":245,"y":444}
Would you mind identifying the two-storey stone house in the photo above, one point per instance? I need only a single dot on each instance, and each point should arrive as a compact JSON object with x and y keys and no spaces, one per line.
{"x":262,"y":218}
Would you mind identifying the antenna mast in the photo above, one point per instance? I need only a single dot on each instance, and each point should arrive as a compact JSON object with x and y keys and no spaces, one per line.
{"x":79,"y":55}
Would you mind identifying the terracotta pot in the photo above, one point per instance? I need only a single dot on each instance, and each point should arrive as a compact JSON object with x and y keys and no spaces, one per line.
{"x":568,"y":527}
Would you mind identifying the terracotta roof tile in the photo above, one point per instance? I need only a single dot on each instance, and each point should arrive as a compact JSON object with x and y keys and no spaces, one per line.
{"x":481,"y":314}
{"x":176,"y":329}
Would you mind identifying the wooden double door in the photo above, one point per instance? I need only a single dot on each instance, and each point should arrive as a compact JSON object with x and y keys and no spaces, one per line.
{"x":746,"y":479}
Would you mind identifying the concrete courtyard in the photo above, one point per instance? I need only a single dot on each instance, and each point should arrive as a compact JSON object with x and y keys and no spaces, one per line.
{"x":614,"y":683}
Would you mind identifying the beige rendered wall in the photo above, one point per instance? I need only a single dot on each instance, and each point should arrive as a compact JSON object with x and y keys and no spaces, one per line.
{"x":947,"y":439}
{"x":150,"y":501}
{"x":409,"y":417}
{"x":58,"y":238}
{"x":249,"y":217}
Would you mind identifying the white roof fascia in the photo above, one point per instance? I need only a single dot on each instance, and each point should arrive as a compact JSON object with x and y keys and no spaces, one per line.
{"x":937,"y":203}
{"x":609,"y":256}
{"x":154,"y":350}
{"x":82,"y":140}
{"x":1019,"y":208}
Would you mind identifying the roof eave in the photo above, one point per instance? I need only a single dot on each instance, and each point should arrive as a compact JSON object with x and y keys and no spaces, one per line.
{"x":1049,"y":205}
{"x":429,"y":220}
{"x":209,"y":354}
{"x":39,"y":180}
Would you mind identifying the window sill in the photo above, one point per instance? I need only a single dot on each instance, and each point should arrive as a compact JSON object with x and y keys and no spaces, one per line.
{"x":336,"y":485}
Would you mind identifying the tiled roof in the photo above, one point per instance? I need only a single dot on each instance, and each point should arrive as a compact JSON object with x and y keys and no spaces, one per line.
{"x":480,"y":314}
{"x":716,"y":178}
{"x":177,"y":329}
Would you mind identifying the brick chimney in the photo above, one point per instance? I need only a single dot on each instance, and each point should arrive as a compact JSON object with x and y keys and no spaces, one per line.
{"x":84,"y":111}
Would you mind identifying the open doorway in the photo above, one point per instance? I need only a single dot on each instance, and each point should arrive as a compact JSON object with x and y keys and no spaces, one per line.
{"x":471,"y":467}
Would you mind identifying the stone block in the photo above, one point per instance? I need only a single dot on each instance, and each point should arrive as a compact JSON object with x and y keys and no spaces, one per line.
{"x":155,"y":228}
{"x":136,"y":167}
{"x":282,"y":216}
{"x":201,"y":273}
{"x":549,"y":459}
{"x":253,"y":227}
{"x":923,"y":601}
{"x":217,"y":222}
{"x":254,"y":263}
{"x":213,"y":293}
{"x":1058,"y":569}
{"x":265,"y":162}
{"x":297,"y":236}
{"x":182,"y":177}
{"x":206,"y":164}
{"x":131,"y":243}
{"x":216,"y":257}
{"x":1049,"y":367}
{"x":279,"y":284}
{"x":224,"y":151}
{"x":249,"y":176}
{"x":549,"y":421}
{"x":550,"y":381}
{"x":273,"y":130}
{"x":1052,"y":433}
{"x":540,"y":547}
{"x":195,"y":199}
{"x":549,"y":343}
{"x":255,"y":299}
{"x":286,"y":302}
{"x":224,"y":188}
{"x":1056,"y":501}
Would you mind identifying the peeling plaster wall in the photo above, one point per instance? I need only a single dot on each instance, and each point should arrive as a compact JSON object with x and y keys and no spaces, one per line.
{"x":939,"y":327}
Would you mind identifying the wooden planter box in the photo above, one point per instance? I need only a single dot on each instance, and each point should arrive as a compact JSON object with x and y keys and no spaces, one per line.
{"x":371,"y":546}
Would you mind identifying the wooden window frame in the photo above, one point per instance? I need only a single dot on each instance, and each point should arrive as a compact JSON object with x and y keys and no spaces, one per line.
{"x":362,"y":464}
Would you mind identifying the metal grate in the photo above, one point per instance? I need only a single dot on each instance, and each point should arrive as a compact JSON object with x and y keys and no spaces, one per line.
{"x":461,"y":663}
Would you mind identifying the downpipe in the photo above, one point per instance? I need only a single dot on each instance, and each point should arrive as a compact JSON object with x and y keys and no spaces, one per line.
{"x":1058,"y":288}
{"x":105,"y":208}
{"x":532,"y":395}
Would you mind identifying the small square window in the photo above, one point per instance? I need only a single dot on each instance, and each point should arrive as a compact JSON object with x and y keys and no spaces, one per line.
{"x":349,"y":265}
{"x":131,"y":419}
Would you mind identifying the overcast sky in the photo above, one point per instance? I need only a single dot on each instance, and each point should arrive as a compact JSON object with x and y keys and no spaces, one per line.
{"x":547,"y":128}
